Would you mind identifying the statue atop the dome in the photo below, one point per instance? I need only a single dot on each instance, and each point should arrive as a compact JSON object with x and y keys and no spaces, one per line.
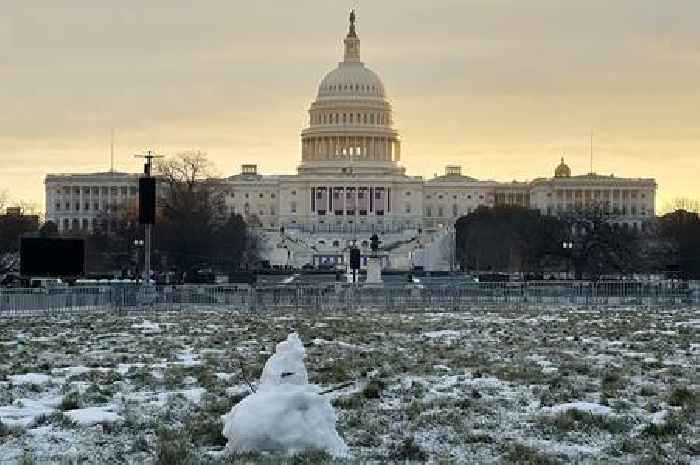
{"x":352,"y":24}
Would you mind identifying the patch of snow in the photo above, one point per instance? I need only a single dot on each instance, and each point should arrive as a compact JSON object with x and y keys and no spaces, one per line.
{"x":93,"y":415}
{"x":659,"y":417}
{"x":588,"y":407}
{"x":23,"y":411}
{"x":194,"y":395}
{"x":443,"y":333}
{"x":30,"y":378}
{"x":188,"y":359}
{"x":147,"y":327}
{"x":286,"y":415}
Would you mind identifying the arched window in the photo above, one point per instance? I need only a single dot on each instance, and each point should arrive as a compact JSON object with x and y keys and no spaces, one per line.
{"x":351,"y":117}
{"x":364,"y":118}
{"x":345,"y":118}
{"x":371,"y":118}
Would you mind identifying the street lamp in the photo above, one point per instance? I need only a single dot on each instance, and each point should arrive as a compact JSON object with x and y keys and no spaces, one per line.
{"x":138,"y":243}
{"x":568,"y":246}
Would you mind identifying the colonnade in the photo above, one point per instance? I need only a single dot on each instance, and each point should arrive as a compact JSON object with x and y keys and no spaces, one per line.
{"x":351,"y":147}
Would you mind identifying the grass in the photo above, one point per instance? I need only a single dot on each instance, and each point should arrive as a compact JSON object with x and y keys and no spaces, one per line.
{"x":204,"y":427}
{"x":674,"y":425}
{"x":70,"y":401}
{"x":578,"y":421}
{"x":7,"y":431}
{"x":426,"y":397}
{"x":408,"y":450}
{"x":683,"y":397}
{"x":520,"y":454}
{"x":173,"y":448}
{"x":374,"y":389}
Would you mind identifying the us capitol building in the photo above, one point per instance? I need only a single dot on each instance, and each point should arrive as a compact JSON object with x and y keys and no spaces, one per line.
{"x":350,"y":182}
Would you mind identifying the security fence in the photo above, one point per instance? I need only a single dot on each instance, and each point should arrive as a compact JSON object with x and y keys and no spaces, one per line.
{"x":457,"y":295}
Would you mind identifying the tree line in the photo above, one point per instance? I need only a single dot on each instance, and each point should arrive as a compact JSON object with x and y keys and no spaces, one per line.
{"x":194,"y":229}
{"x":587,"y":243}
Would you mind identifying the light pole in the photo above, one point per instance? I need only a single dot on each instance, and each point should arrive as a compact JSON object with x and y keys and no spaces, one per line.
{"x":568,"y":246}
{"x":138,"y":243}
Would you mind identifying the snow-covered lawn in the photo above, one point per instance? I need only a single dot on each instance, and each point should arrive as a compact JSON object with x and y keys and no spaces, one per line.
{"x":492,"y":385}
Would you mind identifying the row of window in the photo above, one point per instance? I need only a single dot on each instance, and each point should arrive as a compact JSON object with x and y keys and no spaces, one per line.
{"x":350,"y":118}
{"x":349,"y":195}
{"x":454,"y":196}
{"x":440,"y":211}
{"x":77,"y":224}
{"x":350,"y":88}
{"x":260,"y":195}
{"x":84,"y":206}
{"x":597,"y":194}
{"x":95,"y":190}
{"x":608,"y":209}
{"x":247,"y":210}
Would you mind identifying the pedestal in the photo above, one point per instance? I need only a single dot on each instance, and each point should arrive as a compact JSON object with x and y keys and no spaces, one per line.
{"x":374,"y":271}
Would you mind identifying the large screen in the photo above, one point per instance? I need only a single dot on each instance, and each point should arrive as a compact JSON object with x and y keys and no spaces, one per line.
{"x":147,"y":200}
{"x":52,"y":257}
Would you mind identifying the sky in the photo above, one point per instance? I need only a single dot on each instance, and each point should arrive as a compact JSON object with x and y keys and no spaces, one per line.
{"x":502,"y":87}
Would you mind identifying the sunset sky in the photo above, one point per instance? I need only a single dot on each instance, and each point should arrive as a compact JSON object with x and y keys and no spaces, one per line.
{"x":501,"y":87}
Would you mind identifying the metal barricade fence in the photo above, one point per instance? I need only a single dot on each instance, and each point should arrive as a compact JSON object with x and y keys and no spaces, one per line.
{"x":346,"y":297}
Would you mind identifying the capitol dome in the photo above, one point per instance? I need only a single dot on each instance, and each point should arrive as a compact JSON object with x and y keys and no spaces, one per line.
{"x":351,"y":80}
{"x":350,"y":121}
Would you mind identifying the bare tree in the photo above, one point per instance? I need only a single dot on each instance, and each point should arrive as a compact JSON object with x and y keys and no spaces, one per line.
{"x":187,"y":168}
{"x":195,"y":229}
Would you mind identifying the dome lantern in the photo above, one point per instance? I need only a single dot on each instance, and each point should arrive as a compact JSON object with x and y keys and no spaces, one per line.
{"x":352,"y":42}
